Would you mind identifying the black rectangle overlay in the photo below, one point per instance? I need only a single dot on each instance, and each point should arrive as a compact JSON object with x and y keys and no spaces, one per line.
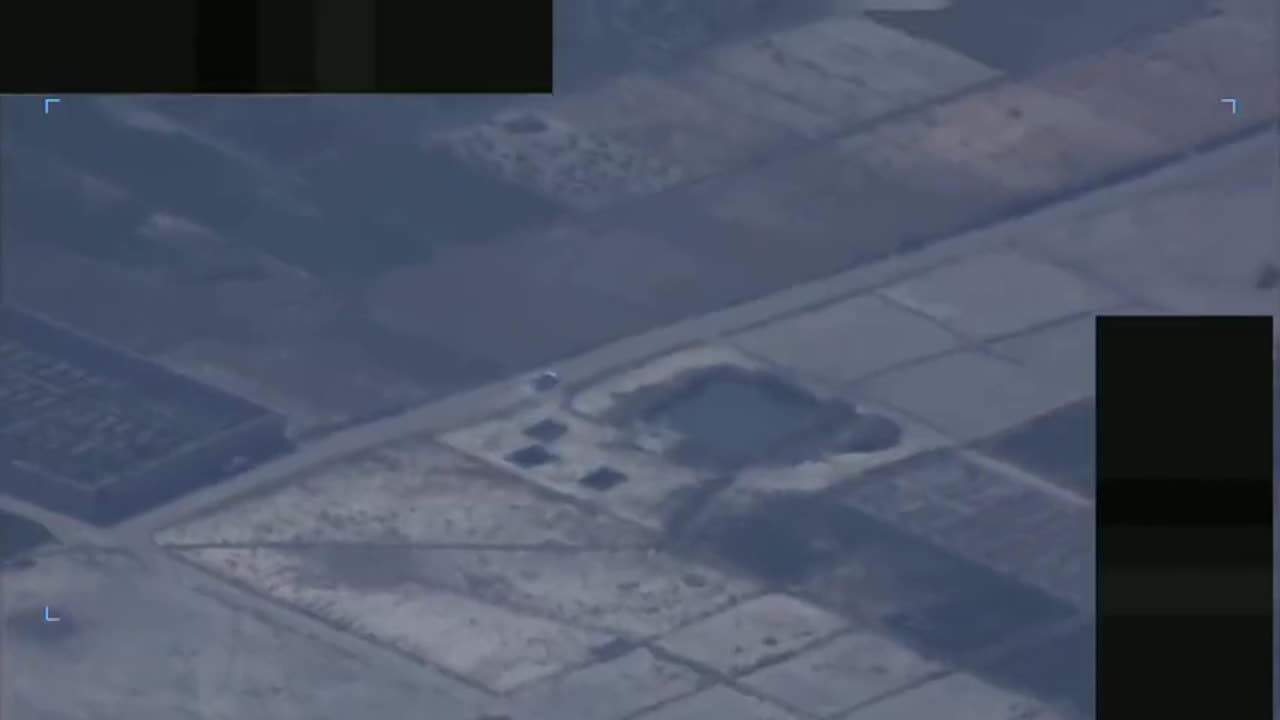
{"x":62,"y":47}
{"x":1185,"y":431}
{"x":288,"y":46}
{"x":1189,"y":592}
{"x":477,"y":47}
{"x":1183,"y":501}
{"x":227,"y":45}
{"x":1184,"y":667}
{"x":1184,"y":397}
{"x":345,"y":34}
{"x":1159,"y":546}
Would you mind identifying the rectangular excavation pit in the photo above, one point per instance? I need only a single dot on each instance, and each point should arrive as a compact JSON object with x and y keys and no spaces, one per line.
{"x":733,"y":415}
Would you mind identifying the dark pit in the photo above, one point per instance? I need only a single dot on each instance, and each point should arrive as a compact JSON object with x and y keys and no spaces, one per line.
{"x":531,"y":456}
{"x":546,"y":431}
{"x":603,"y":479}
{"x":729,"y":417}
{"x":733,"y":415}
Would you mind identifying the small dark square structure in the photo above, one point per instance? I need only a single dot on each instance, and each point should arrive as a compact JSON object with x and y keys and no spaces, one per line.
{"x":96,"y":432}
{"x":546,"y":431}
{"x":603,"y":479}
{"x":531,"y":456}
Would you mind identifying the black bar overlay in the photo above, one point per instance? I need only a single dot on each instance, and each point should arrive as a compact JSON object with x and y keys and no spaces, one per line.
{"x":228,"y":45}
{"x":60,"y":46}
{"x":284,"y":46}
{"x":346,"y":40}
{"x":463,"y":47}
{"x":1186,"y":533}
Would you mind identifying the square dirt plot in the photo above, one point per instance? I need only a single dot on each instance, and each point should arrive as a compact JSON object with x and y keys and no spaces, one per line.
{"x":1058,"y":670}
{"x":1058,"y":446}
{"x":719,"y":702}
{"x":850,"y":339}
{"x":936,"y":602}
{"x":978,"y":510}
{"x":609,"y":691}
{"x":846,"y":672}
{"x":1063,"y":351}
{"x":998,"y":294}
{"x":753,"y":634}
{"x":970,"y":395}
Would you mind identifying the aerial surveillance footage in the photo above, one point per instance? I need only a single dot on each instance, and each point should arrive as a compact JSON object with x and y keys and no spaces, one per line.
{"x":750,"y":375}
